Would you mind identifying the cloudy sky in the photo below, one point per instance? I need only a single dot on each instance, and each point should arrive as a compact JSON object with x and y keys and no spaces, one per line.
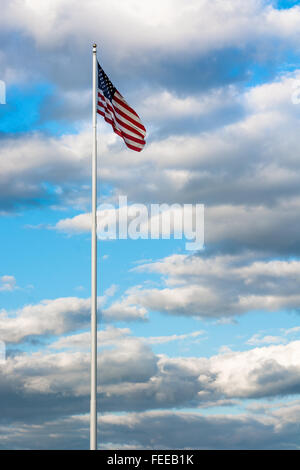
{"x":205,"y":341}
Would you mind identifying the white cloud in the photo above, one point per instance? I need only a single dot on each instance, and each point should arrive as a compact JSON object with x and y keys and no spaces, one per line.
{"x":7,"y":283}
{"x":124,"y":311}
{"x":255,"y":372}
{"x":59,"y":316}
{"x":293,"y":330}
{"x":27,"y":162}
{"x":258,"y":339}
{"x":48,"y":317}
{"x":170,"y":338}
{"x":258,"y":187}
{"x":239,"y":187}
{"x":81,"y":341}
{"x":140,"y":221}
{"x":218,"y":286}
{"x":38,"y":385}
{"x":200,"y":26}
{"x":112,"y":336}
{"x":163,"y":105}
{"x":77,"y":224}
{"x":123,"y":359}
{"x":132,"y":377}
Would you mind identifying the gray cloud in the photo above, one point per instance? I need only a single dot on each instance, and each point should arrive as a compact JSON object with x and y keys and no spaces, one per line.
{"x":235,"y":151}
{"x":30,"y":163}
{"x":168,"y":30}
{"x":277,"y":429}
{"x":133,"y":378}
{"x":244,"y":171}
{"x":47,"y":391}
{"x":217,"y":286}
{"x":157,"y":430}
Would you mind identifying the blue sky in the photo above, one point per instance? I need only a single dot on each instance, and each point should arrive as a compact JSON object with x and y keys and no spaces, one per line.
{"x":209,"y":337}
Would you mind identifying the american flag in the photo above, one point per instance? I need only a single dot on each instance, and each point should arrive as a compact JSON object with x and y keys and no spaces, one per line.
{"x":123,"y":119}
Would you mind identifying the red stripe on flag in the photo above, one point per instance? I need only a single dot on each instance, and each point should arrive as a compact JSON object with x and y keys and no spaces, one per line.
{"x":123,"y":103}
{"x":114,"y":116}
{"x":122,"y":123}
{"x":116,"y":109}
{"x":133,"y":121}
{"x":122,"y":134}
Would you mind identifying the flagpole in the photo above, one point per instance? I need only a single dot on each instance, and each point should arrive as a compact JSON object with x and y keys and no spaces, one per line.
{"x":93,"y":409}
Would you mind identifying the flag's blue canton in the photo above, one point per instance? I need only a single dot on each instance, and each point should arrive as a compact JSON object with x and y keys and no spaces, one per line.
{"x":105,"y":84}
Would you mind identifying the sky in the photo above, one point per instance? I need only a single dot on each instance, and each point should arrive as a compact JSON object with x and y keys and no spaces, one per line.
{"x":203,"y":341}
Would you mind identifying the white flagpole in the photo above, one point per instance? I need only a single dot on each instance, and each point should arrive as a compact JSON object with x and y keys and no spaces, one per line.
{"x":93,"y":409}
